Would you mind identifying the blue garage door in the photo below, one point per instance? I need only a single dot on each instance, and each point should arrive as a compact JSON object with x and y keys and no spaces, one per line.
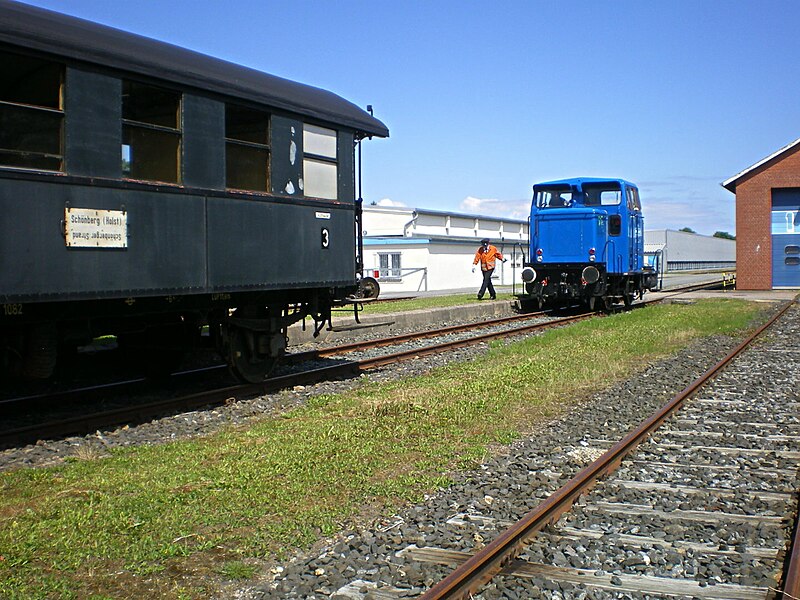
{"x":786,"y":238}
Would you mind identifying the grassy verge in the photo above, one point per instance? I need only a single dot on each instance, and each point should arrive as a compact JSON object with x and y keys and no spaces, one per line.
{"x":167,"y":521}
{"x":427,"y":302}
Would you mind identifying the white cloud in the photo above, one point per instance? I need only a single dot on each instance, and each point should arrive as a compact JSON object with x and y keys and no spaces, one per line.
{"x":492,"y":207}
{"x":685,"y":202}
{"x":388,"y":202}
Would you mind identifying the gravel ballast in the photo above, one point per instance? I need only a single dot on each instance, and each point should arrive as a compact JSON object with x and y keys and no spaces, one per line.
{"x":372,"y":560}
{"x":368,"y":560}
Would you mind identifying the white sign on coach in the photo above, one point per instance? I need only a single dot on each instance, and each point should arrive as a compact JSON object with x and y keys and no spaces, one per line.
{"x":91,"y":228}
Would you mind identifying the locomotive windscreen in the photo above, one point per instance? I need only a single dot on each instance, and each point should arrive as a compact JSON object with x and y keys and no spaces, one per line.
{"x":553,"y":197}
{"x":605,"y":194}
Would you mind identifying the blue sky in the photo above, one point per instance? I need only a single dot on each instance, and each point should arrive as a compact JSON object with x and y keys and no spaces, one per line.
{"x":484,"y":99}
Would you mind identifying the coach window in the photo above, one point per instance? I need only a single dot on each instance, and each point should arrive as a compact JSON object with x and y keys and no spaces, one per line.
{"x":246,"y":148}
{"x":151,"y":133}
{"x":31,"y":113}
{"x":320,"y":171}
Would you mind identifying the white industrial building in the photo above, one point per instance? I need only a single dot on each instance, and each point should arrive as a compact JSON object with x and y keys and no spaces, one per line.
{"x":412,"y":249}
{"x":686,"y":251}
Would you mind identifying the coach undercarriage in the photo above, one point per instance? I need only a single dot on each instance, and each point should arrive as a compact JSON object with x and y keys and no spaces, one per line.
{"x":249,"y":331}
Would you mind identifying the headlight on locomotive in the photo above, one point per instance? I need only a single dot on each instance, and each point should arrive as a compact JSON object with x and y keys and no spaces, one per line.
{"x":590,"y":274}
{"x":528,"y":275}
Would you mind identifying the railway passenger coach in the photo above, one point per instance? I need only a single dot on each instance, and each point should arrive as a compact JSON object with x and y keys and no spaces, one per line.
{"x":147,"y":191}
{"x":586,"y":244}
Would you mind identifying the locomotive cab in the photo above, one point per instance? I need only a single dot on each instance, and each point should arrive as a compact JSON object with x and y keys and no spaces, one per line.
{"x":586,"y":244}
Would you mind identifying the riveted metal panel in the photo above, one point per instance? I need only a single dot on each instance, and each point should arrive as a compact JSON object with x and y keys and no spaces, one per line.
{"x":93,"y":136}
{"x":346,"y":160}
{"x":276,"y":245}
{"x":165,"y":252}
{"x":286,"y":157}
{"x":203,"y":142}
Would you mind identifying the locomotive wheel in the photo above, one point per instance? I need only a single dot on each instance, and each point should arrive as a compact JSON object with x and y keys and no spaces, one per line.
{"x":591,"y":302}
{"x":245,"y":361}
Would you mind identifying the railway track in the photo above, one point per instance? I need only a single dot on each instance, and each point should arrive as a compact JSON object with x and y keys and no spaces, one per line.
{"x":699,"y":501}
{"x":453,"y":337}
{"x":360,"y":360}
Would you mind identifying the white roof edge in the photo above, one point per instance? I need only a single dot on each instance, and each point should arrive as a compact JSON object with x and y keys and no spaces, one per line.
{"x":787,"y":147}
{"x":435,"y":212}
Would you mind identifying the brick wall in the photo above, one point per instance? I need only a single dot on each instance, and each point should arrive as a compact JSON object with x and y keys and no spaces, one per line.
{"x":753,"y":206}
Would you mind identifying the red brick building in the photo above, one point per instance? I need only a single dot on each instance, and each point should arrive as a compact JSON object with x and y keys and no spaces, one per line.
{"x":768,"y":221}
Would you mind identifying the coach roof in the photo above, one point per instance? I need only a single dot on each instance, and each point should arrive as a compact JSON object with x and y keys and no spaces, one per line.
{"x":78,"y":39}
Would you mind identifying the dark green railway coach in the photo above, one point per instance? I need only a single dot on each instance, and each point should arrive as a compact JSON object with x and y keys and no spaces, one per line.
{"x":147,"y":190}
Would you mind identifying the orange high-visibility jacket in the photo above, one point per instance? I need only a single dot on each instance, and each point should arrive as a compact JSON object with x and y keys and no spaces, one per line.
{"x":487,"y":258}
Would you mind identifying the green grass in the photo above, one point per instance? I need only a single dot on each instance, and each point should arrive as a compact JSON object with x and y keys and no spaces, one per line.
{"x":428,"y":302}
{"x":169,"y":521}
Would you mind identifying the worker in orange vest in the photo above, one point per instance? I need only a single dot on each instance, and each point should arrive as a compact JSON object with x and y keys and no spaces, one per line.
{"x":487,"y":255}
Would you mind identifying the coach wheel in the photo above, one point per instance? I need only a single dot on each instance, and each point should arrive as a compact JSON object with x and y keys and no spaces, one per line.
{"x":247,"y":361}
{"x":608,"y":303}
{"x":157,"y":351}
{"x":29,"y":353}
{"x":368,"y":288}
{"x":628,"y":300}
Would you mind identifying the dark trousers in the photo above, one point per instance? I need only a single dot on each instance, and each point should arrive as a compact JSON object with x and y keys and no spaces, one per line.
{"x":487,"y":284}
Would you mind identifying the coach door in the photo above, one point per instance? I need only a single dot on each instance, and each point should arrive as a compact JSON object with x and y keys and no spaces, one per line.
{"x":786,"y":238}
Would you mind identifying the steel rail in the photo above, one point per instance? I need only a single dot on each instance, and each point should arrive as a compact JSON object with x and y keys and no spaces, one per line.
{"x":64,"y":396}
{"x":141,"y":412}
{"x":387,"y":359}
{"x":391,"y":340}
{"x":480,"y":568}
{"x":791,"y":582}
{"x":7,"y":405}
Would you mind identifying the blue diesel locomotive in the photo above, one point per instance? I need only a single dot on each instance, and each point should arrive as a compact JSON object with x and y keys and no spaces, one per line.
{"x":586,"y":244}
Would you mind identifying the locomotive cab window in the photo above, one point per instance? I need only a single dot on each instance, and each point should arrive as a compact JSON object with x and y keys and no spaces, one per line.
{"x":151,"y":133}
{"x":31,"y":113}
{"x":320,"y":171}
{"x":246,"y":149}
{"x":554,"y":198}
{"x":602,"y":195}
{"x":633,"y":199}
{"x":610,"y":197}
